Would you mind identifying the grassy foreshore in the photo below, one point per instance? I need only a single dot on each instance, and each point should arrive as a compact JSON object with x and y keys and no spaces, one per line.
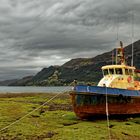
{"x":56,"y":120}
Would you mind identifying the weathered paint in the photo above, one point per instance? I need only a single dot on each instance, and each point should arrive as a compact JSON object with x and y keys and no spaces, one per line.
{"x":89,"y":105}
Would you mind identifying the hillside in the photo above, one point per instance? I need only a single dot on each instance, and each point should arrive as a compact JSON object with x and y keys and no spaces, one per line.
{"x":21,"y":82}
{"x":82,"y":69}
{"x":7,"y":82}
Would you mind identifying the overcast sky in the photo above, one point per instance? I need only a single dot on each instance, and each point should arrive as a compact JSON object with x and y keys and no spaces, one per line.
{"x":39,"y":33}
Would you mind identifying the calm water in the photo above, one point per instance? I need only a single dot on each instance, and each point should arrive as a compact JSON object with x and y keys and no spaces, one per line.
{"x":6,"y":89}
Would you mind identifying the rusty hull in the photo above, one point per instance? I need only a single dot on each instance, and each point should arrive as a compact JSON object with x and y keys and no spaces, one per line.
{"x":91,"y":105}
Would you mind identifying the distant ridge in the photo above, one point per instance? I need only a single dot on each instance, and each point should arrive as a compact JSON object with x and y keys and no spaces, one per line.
{"x":82,"y":69}
{"x":7,"y":82}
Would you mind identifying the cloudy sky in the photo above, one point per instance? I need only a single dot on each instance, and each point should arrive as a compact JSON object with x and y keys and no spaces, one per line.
{"x":39,"y":33}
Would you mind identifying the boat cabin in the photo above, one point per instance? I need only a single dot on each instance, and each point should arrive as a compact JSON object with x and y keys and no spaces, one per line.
{"x":119,"y":76}
{"x":118,"y":70}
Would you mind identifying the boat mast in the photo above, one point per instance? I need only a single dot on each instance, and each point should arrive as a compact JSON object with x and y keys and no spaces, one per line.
{"x":132,"y":60}
{"x":120,"y":54}
{"x":122,"y":59}
{"x":117,"y":35}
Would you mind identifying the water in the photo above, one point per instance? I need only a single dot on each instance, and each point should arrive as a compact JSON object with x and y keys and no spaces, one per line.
{"x":31,"y":89}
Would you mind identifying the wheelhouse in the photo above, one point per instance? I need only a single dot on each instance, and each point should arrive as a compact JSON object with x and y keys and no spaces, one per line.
{"x":118,"y":70}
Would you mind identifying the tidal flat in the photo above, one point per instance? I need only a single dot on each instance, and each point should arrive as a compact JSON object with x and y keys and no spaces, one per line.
{"x":56,"y":120}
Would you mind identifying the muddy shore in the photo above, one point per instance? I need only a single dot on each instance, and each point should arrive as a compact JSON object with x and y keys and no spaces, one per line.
{"x":56,"y":120}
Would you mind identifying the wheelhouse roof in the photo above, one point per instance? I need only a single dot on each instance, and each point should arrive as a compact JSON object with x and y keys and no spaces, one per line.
{"x":117,"y":66}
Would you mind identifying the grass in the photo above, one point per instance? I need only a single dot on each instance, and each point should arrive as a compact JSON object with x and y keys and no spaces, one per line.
{"x":57,"y":121}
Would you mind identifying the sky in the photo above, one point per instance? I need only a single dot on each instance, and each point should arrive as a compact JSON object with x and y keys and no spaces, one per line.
{"x":39,"y":33}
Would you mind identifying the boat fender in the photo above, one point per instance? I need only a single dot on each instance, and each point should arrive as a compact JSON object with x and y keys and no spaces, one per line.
{"x":129,"y":79}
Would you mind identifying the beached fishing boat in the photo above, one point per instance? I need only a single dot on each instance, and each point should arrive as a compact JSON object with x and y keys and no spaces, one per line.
{"x":118,"y":89}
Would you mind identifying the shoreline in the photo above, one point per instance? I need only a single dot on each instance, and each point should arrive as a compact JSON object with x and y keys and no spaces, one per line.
{"x":25,"y":94}
{"x":33,"y":90}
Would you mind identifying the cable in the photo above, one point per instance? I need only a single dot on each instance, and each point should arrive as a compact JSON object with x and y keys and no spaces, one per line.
{"x":132,"y":61}
{"x":107,"y":116}
{"x":30,"y":112}
{"x":117,"y":28}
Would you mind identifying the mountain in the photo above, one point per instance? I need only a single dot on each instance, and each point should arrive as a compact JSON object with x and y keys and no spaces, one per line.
{"x":7,"y":82}
{"x":82,"y":69}
{"x":21,"y":82}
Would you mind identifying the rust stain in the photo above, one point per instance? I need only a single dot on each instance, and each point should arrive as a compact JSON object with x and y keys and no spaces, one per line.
{"x":84,"y":108}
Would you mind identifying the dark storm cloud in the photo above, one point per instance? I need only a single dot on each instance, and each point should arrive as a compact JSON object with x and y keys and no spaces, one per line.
{"x":39,"y":33}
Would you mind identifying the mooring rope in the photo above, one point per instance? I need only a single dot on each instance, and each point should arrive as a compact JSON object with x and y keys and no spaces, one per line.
{"x":107,"y":116}
{"x":30,"y":112}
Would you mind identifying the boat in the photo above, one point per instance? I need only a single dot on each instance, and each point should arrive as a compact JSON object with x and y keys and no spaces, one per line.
{"x":118,"y":91}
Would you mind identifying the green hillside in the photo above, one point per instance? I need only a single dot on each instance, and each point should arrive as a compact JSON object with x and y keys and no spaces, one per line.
{"x":83,"y":69}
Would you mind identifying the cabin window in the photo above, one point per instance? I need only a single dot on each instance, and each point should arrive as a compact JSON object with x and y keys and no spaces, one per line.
{"x":118,"y":71}
{"x":130,"y":72}
{"x":111,"y":71}
{"x":105,"y":72}
{"x":126,"y":71}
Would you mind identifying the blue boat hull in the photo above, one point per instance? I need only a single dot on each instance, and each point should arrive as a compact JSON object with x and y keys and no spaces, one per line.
{"x":104,"y":90}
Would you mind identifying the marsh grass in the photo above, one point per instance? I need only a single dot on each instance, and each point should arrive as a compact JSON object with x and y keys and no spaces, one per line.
{"x":56,"y":121}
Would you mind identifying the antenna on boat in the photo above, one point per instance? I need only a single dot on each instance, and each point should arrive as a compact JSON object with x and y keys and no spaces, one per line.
{"x":112,"y":58}
{"x":117,"y":35}
{"x":116,"y":56}
{"x":117,"y":28}
{"x":132,"y":60}
{"x":122,"y":53}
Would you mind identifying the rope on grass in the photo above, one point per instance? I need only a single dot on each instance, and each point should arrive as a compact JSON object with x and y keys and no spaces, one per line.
{"x":30,"y":112}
